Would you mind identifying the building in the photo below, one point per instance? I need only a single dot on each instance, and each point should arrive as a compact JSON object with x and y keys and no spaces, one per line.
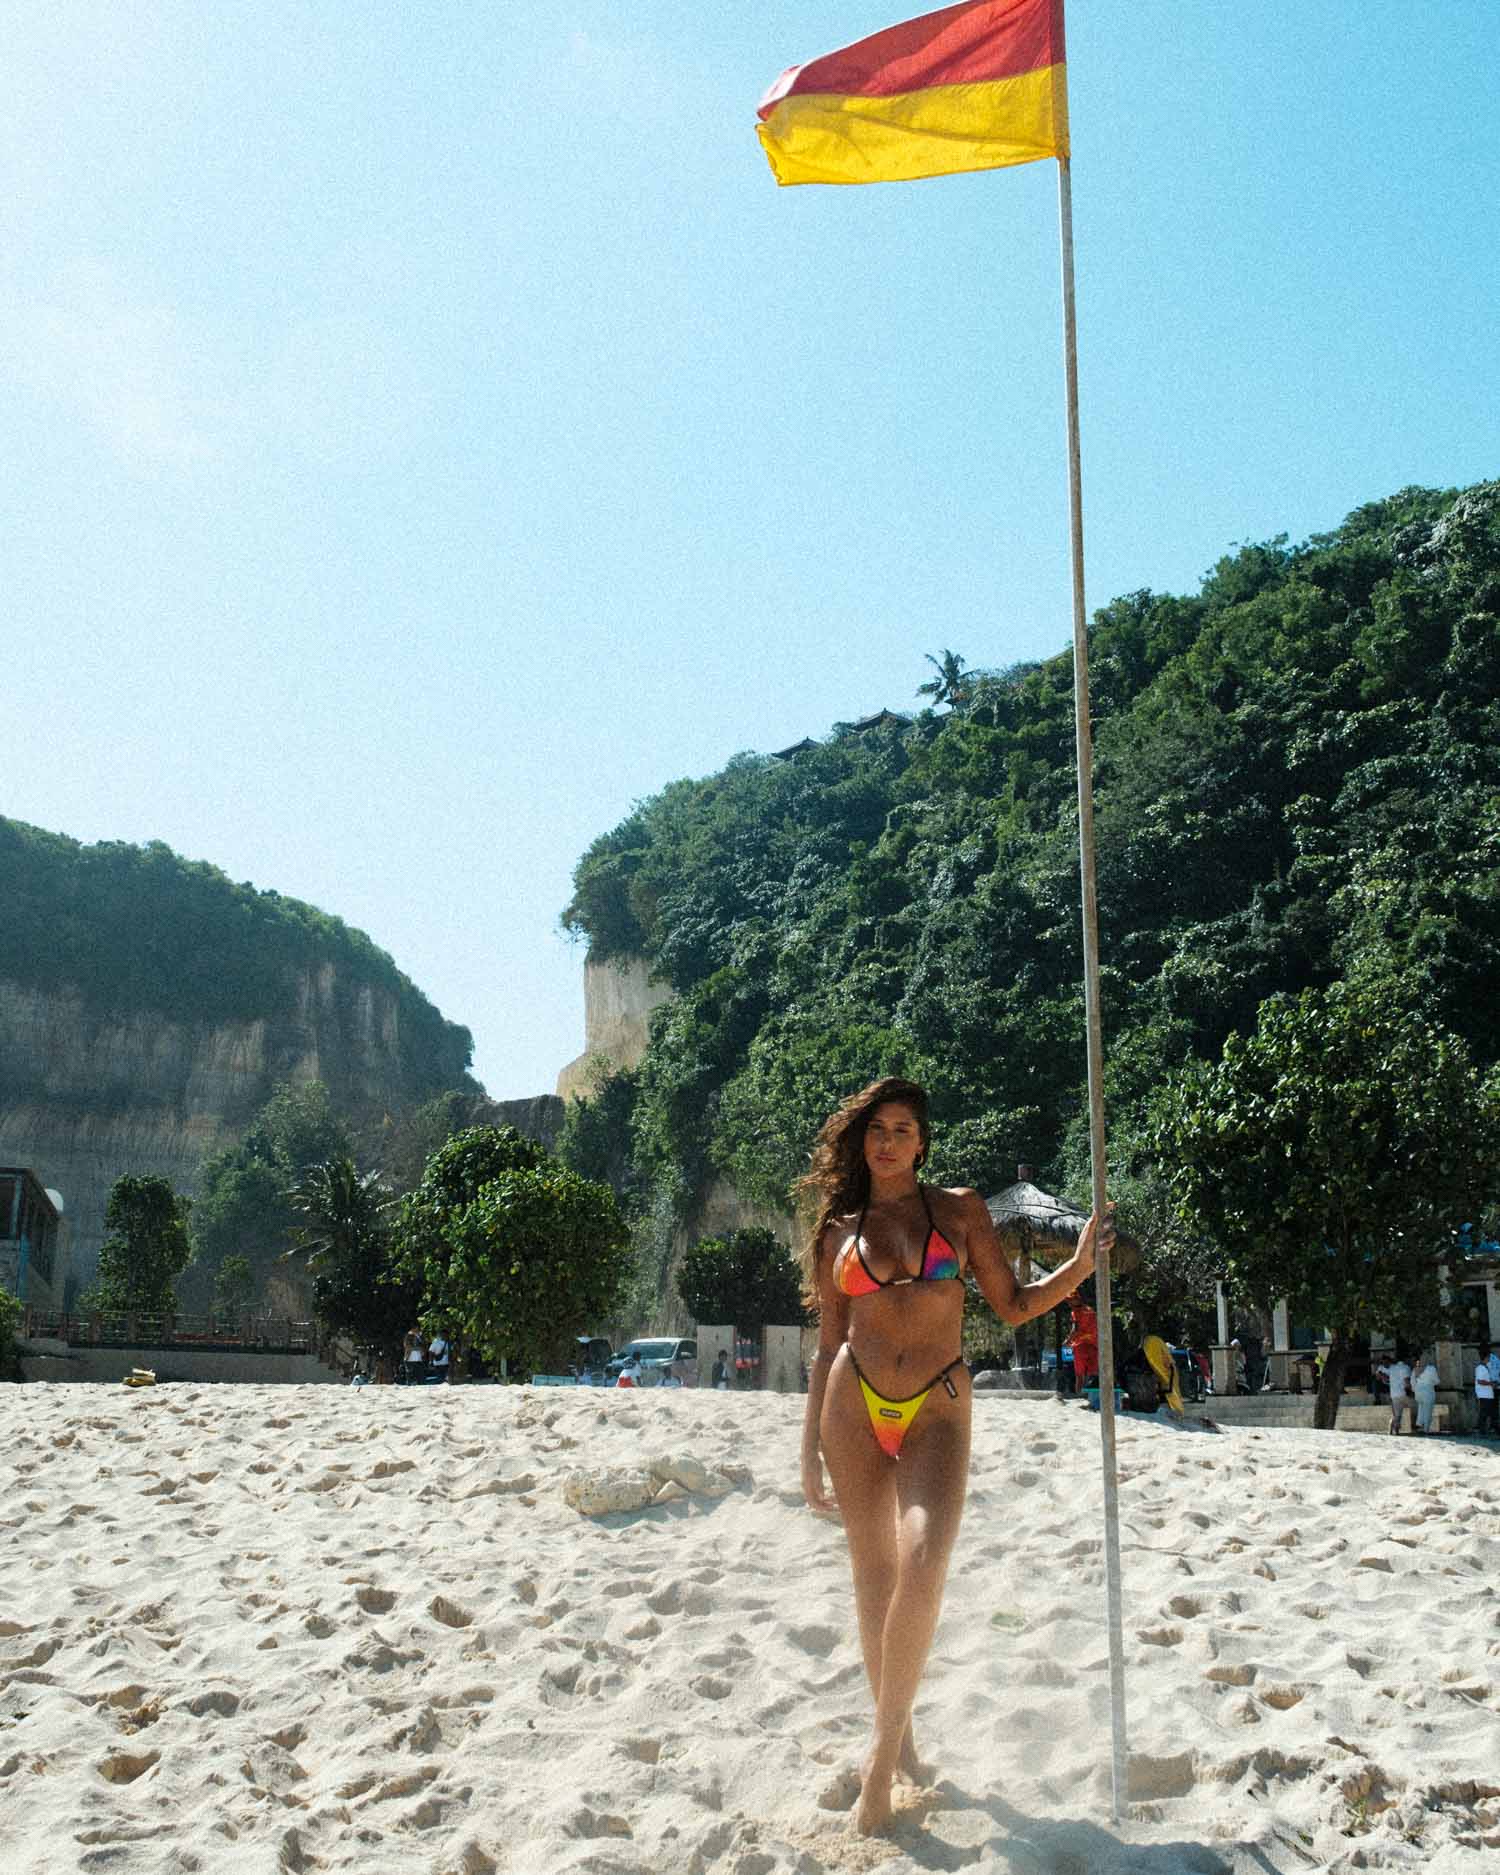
{"x":33,"y":1242}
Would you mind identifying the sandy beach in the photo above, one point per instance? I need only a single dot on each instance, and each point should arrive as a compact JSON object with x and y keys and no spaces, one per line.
{"x":300,"y":1629}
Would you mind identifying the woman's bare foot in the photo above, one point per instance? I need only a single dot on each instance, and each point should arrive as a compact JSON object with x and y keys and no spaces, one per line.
{"x":875,"y":1808}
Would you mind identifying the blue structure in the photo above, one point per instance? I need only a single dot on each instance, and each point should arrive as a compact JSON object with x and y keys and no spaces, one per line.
{"x":31,"y":1260}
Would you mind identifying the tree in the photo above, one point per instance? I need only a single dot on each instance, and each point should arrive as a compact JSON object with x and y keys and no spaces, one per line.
{"x":744,"y":1280}
{"x":245,"y":1208}
{"x":359,"y":1287}
{"x":147,"y":1248}
{"x":341,"y":1210}
{"x":10,"y":1321}
{"x":536,"y":1256}
{"x":1331,"y":1156}
{"x":455,"y":1175}
{"x":951,"y":686}
{"x":234,"y":1285}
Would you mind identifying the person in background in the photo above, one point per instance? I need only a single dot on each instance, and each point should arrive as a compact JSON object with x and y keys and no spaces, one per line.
{"x":1485,"y":1391}
{"x":669,"y":1376}
{"x":1424,"y":1382}
{"x":630,"y":1373}
{"x":1241,"y":1372}
{"x":414,"y":1358}
{"x":440,"y":1356}
{"x":721,"y":1371}
{"x":1398,"y":1379}
{"x":1083,"y":1339}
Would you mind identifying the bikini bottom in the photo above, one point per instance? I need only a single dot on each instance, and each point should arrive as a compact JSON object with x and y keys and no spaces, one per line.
{"x":891,"y":1420}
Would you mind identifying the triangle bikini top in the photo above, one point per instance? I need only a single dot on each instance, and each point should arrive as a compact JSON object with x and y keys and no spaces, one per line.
{"x":853,"y":1275}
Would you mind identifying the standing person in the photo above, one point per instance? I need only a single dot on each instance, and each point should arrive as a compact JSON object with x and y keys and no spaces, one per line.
{"x":1398,"y":1379}
{"x":440,"y":1356}
{"x":1424,"y":1381}
{"x":414,"y":1358}
{"x":888,"y":1400}
{"x":1485,"y":1391}
{"x":1083,"y":1339}
{"x":721,"y":1371}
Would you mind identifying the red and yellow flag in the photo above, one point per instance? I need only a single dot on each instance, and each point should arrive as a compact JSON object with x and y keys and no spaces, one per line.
{"x":975,"y":86}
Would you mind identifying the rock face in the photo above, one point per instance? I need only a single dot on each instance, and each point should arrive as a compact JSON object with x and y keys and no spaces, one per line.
{"x":618,"y":1000}
{"x":86,"y":1096}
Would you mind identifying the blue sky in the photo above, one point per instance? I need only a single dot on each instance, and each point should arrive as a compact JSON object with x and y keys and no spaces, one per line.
{"x":429,"y":431}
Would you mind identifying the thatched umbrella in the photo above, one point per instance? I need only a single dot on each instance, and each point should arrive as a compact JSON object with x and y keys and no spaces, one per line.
{"x":1035,"y":1227}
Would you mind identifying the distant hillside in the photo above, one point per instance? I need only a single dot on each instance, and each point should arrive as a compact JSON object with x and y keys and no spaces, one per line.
{"x":1298,"y":779}
{"x":149,"y":1005}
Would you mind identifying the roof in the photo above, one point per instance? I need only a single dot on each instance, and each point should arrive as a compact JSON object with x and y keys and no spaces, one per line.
{"x":878,"y":720}
{"x":1035,"y":1223}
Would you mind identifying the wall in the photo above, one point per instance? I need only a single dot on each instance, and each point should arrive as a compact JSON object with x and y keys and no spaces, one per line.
{"x":111,"y":1365}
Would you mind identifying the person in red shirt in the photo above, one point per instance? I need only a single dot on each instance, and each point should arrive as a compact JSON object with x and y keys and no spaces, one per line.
{"x":1083,"y":1339}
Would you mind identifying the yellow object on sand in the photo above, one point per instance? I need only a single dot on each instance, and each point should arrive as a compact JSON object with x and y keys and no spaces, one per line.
{"x":1164,"y":1367}
{"x":140,"y":1377}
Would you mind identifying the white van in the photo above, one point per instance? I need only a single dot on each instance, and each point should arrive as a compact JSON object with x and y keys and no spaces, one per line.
{"x":656,"y":1353}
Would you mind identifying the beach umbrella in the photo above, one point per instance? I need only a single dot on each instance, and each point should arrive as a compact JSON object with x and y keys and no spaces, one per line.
{"x":1035,"y":1226}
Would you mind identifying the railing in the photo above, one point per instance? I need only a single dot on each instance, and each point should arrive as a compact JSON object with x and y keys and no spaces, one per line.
{"x":209,"y":1334}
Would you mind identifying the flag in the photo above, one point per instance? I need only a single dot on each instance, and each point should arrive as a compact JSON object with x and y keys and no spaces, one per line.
{"x":976,"y":86}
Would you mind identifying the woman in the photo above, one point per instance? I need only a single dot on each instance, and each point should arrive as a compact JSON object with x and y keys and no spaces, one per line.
{"x":1424,"y":1386}
{"x":888,"y":1397}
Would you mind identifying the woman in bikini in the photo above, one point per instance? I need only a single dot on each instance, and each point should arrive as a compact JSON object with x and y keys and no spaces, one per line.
{"x":888,"y":1395}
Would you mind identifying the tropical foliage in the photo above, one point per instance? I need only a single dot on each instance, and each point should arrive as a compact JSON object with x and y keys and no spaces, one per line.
{"x":512,"y":1253}
{"x":234,"y":1285}
{"x":136,"y":929}
{"x":744,"y":1280}
{"x":245,"y":1207}
{"x":147,"y":1249}
{"x":358,"y":1287}
{"x":1296,"y":784}
{"x":1329,"y":1155}
{"x":10,"y":1323}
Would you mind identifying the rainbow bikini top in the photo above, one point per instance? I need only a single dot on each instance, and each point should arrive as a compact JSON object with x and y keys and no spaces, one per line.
{"x":854,"y":1276}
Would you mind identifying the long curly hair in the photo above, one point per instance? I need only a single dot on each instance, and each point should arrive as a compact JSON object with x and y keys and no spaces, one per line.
{"x":838,"y":1180}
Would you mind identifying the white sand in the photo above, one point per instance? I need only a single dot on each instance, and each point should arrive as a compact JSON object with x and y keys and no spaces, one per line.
{"x":295,"y":1629}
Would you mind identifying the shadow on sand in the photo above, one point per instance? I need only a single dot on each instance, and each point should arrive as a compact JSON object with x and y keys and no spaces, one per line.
{"x":1029,"y":1845}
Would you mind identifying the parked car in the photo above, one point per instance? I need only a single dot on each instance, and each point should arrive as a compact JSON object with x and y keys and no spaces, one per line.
{"x":656,"y":1352}
{"x":591,"y":1360}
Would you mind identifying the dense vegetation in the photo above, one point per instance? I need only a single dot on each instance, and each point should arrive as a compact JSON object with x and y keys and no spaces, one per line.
{"x":513,"y":1254}
{"x":1330,"y":1155}
{"x":137,"y":929}
{"x":1296,"y":785}
{"x":148,"y":1247}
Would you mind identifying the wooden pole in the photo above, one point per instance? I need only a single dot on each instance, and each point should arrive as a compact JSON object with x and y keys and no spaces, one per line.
{"x":1091,"y":1007}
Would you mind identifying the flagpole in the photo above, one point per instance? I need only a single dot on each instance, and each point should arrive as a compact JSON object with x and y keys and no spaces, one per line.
{"x":1093,"y":1022}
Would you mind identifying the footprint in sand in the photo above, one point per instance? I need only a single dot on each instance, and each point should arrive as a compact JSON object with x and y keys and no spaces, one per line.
{"x":816,"y":1640}
{"x":450,"y":1614}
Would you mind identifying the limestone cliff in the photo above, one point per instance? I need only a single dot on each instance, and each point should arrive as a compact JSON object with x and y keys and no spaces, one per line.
{"x":619,"y":998}
{"x":86,"y":1095}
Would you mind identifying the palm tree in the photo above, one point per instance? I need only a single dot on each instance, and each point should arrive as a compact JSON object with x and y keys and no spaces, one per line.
{"x":344,"y":1209}
{"x":951,"y":686}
